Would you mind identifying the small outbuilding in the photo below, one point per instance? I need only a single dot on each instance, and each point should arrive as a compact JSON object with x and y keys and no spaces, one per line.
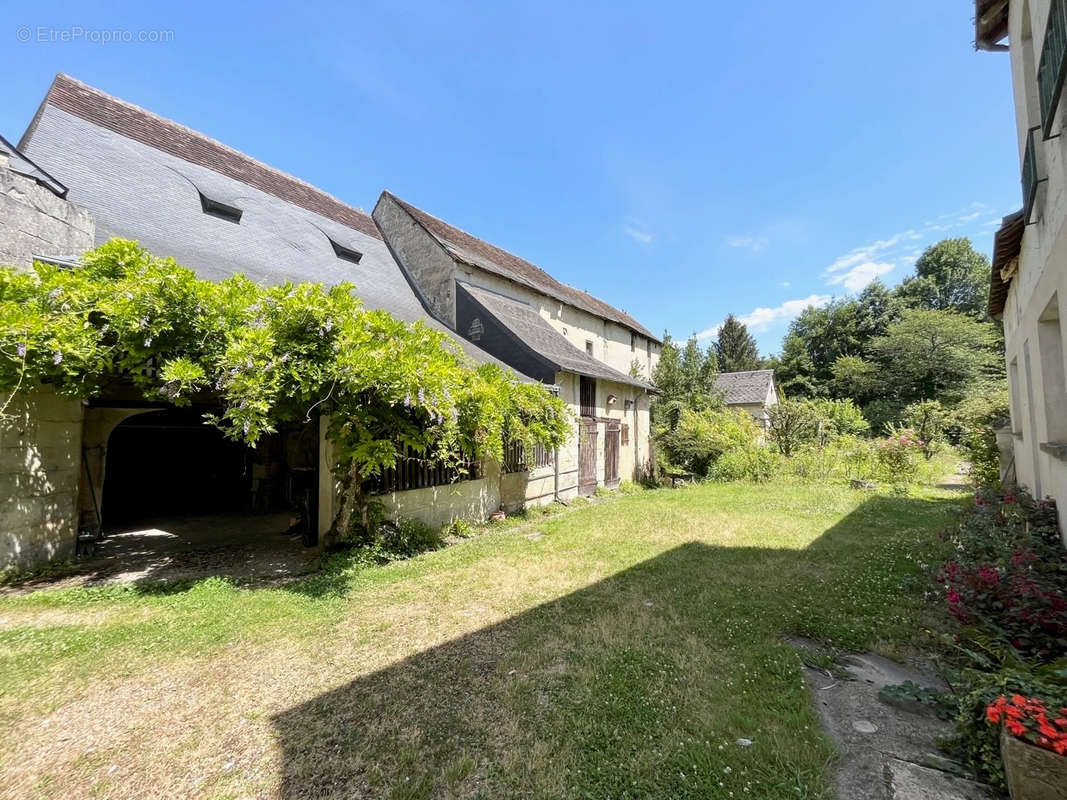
{"x":755,"y":391}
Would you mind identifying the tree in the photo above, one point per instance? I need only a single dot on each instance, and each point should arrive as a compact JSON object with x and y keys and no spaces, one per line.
{"x":735,"y":348}
{"x":949,"y":276}
{"x":794,"y":369}
{"x":934,"y":355}
{"x":685,"y":379}
{"x":790,"y":424}
{"x":667,"y":375}
{"x":928,"y":419}
{"x":821,"y":335}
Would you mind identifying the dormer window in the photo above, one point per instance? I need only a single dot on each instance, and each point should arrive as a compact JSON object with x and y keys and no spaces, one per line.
{"x":346,"y":253}
{"x":589,"y":346}
{"x":220,"y":210}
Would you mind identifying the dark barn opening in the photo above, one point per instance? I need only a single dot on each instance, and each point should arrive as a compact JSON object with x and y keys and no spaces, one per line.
{"x":169,"y":462}
{"x":174,"y":486}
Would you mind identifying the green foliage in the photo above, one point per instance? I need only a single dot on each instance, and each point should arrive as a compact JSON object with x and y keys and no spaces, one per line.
{"x":702,"y":437}
{"x":977,"y":743}
{"x":748,"y":463}
{"x":822,"y":335}
{"x":949,"y":276}
{"x":459,"y":528}
{"x":266,"y":355}
{"x":973,"y":423}
{"x":899,"y":456}
{"x":887,"y":349}
{"x":931,"y":355}
{"x":840,"y":418}
{"x":790,"y":424}
{"x":928,"y":419}
{"x":735,"y":348}
{"x":685,"y":378}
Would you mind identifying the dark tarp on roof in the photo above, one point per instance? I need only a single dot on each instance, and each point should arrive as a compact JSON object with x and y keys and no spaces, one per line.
{"x":745,"y":388}
{"x":20,"y":163}
{"x":531,"y":332}
{"x":1006,"y":245}
{"x":476,"y":252}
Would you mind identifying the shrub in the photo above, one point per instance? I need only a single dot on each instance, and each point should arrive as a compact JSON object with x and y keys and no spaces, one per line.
{"x":702,"y":437}
{"x":459,"y":528}
{"x":858,"y":457}
{"x":790,"y":424}
{"x":751,"y":463}
{"x":840,"y":418}
{"x":898,"y":457}
{"x":1008,"y":578}
{"x":972,"y":425}
{"x":815,"y":463}
{"x":405,"y":538}
{"x":928,"y":420}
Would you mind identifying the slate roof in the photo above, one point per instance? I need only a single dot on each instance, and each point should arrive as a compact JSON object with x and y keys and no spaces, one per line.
{"x":471,"y":250}
{"x":745,"y":388}
{"x":133,"y":122}
{"x":532,"y":329}
{"x":141,"y":185}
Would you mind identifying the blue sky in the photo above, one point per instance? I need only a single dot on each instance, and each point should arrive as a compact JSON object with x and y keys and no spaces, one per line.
{"x":681,"y":160}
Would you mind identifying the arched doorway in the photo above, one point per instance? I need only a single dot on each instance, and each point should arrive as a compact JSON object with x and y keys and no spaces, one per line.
{"x":180,"y":499}
{"x":168,"y":462}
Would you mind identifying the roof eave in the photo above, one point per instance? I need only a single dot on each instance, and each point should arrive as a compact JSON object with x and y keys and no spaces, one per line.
{"x":1007,"y":244}
{"x":991,"y":25}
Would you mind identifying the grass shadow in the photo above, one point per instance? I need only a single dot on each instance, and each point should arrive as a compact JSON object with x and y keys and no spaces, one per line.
{"x":635,"y":686}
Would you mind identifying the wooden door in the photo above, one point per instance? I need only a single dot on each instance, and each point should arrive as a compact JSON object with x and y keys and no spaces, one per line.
{"x":587,"y":457}
{"x":612,"y":431}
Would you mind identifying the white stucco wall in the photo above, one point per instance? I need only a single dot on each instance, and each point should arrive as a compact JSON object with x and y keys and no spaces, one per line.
{"x":1037,"y":296}
{"x":40,"y":464}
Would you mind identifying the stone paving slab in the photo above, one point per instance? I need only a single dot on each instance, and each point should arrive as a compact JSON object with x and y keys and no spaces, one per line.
{"x":911,"y":782}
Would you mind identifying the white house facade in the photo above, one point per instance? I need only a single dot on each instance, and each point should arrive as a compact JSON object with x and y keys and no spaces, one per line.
{"x":1028,"y":284}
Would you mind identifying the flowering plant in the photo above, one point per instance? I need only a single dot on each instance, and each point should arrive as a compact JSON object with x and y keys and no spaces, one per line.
{"x":1028,"y":719}
{"x":899,"y":456}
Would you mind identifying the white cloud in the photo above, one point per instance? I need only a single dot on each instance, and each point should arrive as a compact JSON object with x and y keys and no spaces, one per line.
{"x":857,"y":268}
{"x":754,"y":244}
{"x":760,"y":319}
{"x":861,"y":275}
{"x":638,"y":235}
{"x":785,"y":284}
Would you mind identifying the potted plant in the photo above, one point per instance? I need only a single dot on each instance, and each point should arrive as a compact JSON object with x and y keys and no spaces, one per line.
{"x":1033,"y":744}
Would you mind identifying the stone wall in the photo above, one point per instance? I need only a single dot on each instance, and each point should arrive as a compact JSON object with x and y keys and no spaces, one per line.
{"x":40,"y":433}
{"x":33,"y":220}
{"x":40,"y":470}
{"x":429,"y":269}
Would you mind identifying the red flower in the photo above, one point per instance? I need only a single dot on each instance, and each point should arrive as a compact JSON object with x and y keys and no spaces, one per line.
{"x":1015,"y":728}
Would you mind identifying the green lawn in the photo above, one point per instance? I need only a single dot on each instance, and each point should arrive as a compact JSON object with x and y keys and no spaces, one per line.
{"x":617,"y":650}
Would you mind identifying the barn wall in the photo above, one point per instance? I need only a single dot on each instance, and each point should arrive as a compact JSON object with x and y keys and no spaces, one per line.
{"x":40,"y":468}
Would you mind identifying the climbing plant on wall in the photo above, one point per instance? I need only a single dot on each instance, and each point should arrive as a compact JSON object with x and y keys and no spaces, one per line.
{"x":264,"y":355}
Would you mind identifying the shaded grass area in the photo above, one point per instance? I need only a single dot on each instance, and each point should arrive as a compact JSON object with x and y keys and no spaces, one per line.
{"x":619,"y":651}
